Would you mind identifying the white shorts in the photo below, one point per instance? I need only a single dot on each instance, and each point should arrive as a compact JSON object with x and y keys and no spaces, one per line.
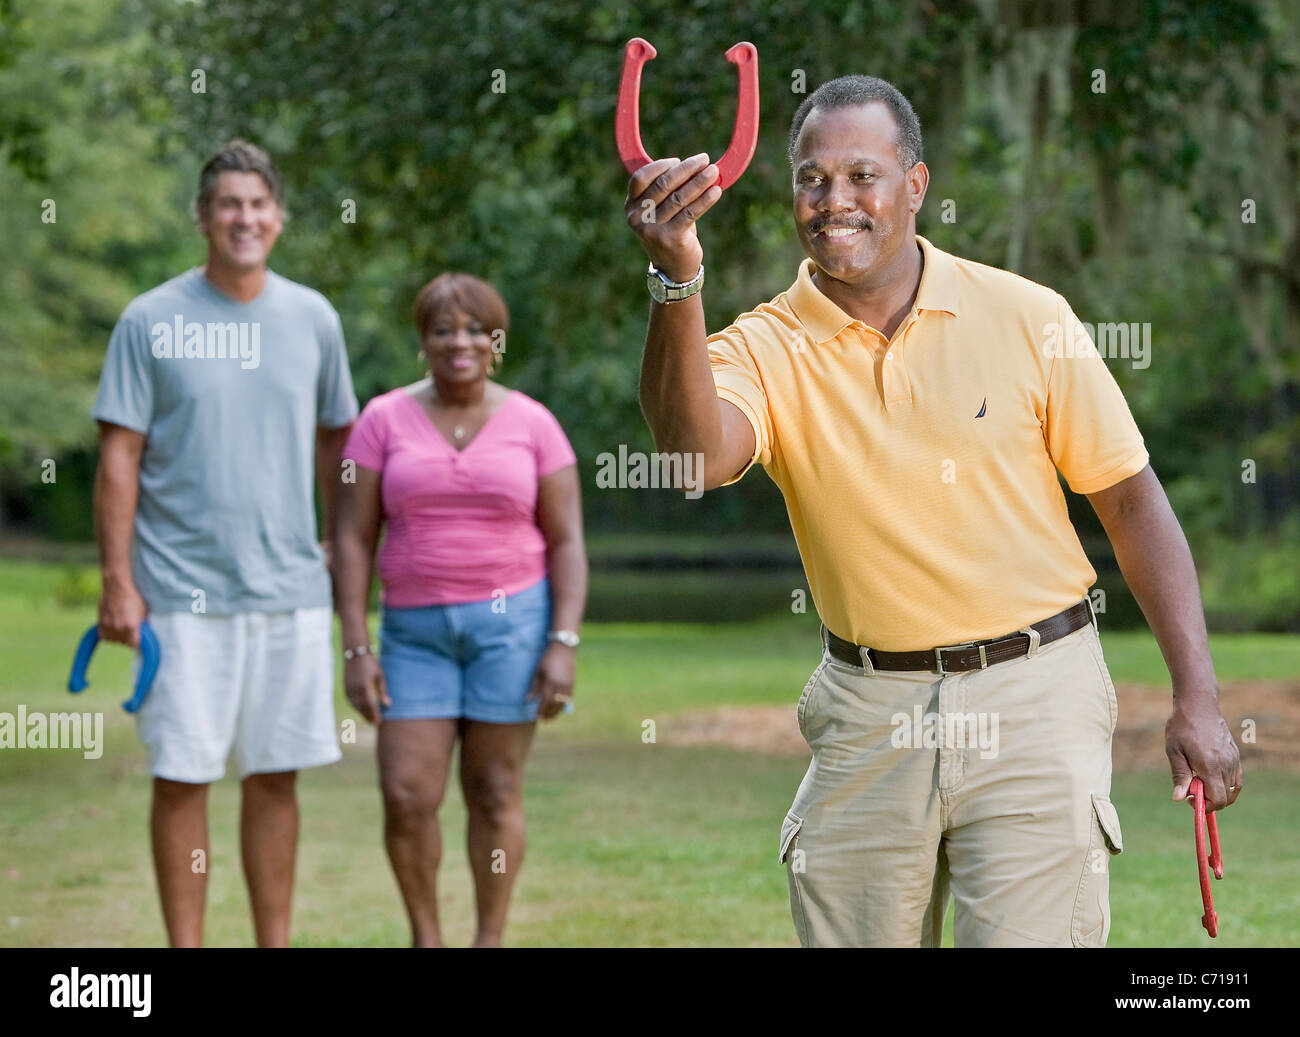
{"x":260,"y":683}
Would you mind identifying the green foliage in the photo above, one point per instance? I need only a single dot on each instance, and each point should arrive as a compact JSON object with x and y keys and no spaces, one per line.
{"x":1253,"y":585}
{"x":479,"y":136}
{"x":95,"y":222}
{"x":22,"y":122}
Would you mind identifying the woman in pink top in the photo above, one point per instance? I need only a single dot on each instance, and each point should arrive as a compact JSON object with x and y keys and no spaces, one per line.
{"x":484,"y":578}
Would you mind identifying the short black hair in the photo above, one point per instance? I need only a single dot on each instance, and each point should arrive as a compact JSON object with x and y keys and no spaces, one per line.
{"x":850,"y":91}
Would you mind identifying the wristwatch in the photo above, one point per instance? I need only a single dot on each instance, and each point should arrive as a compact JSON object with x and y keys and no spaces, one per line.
{"x":664,"y":290}
{"x":568,"y":638}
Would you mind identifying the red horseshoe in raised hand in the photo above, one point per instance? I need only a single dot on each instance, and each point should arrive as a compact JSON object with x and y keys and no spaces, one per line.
{"x":1204,"y":862}
{"x":744,"y":136}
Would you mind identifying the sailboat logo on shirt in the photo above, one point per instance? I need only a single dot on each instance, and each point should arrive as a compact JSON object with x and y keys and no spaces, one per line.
{"x":983,"y":406}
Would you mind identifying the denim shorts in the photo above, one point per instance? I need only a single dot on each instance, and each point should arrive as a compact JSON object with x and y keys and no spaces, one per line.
{"x":474,"y":659}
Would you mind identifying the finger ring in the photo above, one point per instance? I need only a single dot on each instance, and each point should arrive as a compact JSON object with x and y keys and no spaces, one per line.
{"x":1234,"y":788}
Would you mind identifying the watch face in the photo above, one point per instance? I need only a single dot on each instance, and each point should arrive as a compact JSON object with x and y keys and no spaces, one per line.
{"x":658,"y":290}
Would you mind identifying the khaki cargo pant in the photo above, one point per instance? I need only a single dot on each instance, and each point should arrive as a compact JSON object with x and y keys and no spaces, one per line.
{"x":992,"y":784}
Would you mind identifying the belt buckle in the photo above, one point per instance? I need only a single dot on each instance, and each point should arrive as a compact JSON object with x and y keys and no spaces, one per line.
{"x":938,"y":656}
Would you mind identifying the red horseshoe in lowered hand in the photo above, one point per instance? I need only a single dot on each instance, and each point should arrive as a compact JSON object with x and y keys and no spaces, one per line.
{"x":744,"y":136}
{"x":1204,"y":862}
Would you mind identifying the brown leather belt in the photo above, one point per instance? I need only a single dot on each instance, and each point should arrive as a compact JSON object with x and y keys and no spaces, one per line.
{"x":968,"y":655}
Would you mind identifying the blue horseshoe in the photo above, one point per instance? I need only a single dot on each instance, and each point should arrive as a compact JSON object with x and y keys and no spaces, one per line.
{"x":150,"y":655}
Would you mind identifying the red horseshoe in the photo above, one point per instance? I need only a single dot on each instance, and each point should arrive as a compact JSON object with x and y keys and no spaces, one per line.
{"x":744,"y":136}
{"x":1196,"y":791}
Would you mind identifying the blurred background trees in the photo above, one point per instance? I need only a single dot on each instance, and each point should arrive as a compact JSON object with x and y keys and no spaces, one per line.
{"x":1142,"y":158}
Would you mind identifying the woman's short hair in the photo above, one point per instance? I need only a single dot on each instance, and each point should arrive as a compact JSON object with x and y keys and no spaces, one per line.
{"x":471,"y":295}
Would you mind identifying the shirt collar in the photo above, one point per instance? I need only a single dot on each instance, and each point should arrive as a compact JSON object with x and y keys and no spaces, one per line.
{"x":824,"y":320}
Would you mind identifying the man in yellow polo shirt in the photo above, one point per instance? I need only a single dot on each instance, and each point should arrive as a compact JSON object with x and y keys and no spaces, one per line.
{"x":915,"y":408}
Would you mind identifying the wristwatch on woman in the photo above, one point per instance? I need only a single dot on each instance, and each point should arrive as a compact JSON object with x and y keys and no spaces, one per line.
{"x":565,"y":637}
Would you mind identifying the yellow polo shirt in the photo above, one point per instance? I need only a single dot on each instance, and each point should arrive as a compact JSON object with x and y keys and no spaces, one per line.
{"x":920,"y":474}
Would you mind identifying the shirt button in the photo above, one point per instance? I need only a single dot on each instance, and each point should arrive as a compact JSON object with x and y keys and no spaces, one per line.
{"x":889,"y":355}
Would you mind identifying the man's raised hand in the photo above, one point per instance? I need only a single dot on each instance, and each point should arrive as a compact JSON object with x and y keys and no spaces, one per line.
{"x":664,"y":199}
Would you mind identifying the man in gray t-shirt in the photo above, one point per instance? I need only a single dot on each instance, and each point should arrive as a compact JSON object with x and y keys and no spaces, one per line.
{"x":223,"y":392}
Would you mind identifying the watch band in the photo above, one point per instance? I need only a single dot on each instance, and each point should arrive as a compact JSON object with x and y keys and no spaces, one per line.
{"x":663,"y":290}
{"x":565,"y":637}
{"x":351,"y":653}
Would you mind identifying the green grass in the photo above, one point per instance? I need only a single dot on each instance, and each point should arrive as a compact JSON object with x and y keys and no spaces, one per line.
{"x":1155,"y":897}
{"x":630,"y":843}
{"x":1135,"y":656}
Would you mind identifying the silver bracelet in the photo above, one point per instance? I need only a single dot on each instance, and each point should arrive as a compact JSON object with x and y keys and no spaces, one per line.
{"x":351,"y":653}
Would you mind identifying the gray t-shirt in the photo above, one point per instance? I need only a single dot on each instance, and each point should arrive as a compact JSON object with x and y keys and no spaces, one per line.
{"x":229,"y":395}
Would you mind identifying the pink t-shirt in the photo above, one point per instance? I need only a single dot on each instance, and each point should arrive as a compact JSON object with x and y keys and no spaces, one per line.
{"x":461,"y":525}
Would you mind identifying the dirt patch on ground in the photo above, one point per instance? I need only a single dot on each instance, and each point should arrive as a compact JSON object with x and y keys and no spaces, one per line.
{"x":1274,"y":706}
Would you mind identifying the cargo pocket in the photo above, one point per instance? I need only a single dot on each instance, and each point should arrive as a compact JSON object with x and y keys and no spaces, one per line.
{"x":1108,"y":819}
{"x":1090,"y":924}
{"x":789,"y":829}
{"x":791,"y":856}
